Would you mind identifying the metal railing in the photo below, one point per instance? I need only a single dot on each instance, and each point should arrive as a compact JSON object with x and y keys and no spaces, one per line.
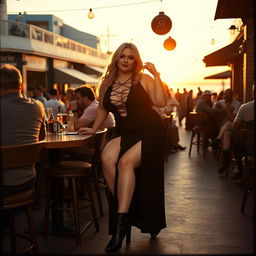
{"x":14,"y":28}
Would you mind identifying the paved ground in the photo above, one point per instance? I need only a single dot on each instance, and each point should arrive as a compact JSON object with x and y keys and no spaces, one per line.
{"x":202,"y":210}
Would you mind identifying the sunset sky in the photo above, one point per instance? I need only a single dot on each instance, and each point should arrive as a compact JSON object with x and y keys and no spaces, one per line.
{"x":193,"y":28}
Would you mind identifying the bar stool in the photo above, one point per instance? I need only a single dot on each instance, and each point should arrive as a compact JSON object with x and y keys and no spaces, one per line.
{"x":96,"y":177}
{"x":73,"y":171}
{"x":249,"y":164}
{"x":197,"y":136}
{"x":15,"y":156}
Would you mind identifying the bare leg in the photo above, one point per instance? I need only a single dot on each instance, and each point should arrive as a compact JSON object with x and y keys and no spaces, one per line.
{"x":109,"y":158}
{"x":226,"y":139}
{"x":126,"y":176}
{"x":227,"y":126}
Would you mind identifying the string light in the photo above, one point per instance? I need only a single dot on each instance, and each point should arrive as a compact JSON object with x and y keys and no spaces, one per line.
{"x":100,"y":7}
{"x":90,"y":14}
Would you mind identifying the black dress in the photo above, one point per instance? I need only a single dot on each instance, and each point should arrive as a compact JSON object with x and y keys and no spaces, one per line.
{"x":137,"y":121}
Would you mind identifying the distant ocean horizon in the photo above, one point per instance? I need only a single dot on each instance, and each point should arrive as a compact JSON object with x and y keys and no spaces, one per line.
{"x":213,"y":87}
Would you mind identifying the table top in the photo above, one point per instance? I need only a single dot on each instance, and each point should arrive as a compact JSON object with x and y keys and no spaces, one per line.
{"x":60,"y":140}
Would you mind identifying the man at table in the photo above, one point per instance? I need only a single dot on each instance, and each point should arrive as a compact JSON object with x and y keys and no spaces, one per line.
{"x":54,"y":103}
{"x":205,"y":107}
{"x":86,"y":99}
{"x":22,"y":121}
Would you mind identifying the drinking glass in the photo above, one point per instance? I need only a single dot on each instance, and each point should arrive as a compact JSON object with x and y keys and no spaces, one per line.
{"x":48,"y":114}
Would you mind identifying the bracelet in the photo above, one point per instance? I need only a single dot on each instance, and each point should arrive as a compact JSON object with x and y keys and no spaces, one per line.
{"x":157,"y":74}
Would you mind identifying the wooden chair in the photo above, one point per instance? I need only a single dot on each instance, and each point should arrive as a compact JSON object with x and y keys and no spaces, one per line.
{"x":248,"y":164}
{"x":15,"y":156}
{"x":73,"y":171}
{"x":197,"y":136}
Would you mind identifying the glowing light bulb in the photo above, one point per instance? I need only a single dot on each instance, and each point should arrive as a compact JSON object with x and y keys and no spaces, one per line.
{"x":90,"y":14}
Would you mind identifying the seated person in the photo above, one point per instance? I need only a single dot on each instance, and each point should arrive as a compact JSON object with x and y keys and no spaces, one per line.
{"x":243,"y":120}
{"x":173,"y":133}
{"x":230,"y":105}
{"x":54,"y":103}
{"x":38,"y":91}
{"x":205,"y":107}
{"x":70,"y":99}
{"x":86,"y":99}
{"x":22,"y":121}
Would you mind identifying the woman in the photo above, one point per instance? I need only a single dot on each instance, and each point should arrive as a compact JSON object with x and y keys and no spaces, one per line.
{"x":133,"y":160}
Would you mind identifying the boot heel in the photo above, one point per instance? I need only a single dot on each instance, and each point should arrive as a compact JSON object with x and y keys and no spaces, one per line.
{"x":128,"y":235}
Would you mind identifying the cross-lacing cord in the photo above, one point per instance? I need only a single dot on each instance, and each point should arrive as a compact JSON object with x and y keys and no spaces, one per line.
{"x":119,"y":95}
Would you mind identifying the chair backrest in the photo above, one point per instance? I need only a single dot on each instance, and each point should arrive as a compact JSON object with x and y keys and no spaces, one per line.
{"x":198,"y":119}
{"x":249,"y":135}
{"x":15,"y":156}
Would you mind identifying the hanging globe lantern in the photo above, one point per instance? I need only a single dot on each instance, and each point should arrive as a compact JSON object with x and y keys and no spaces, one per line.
{"x":161,"y":24}
{"x":169,"y":44}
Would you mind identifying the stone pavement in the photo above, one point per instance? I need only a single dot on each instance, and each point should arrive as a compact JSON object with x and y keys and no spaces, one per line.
{"x":202,"y":212}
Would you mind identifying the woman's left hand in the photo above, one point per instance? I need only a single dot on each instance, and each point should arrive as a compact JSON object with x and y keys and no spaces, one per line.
{"x":151,"y":68}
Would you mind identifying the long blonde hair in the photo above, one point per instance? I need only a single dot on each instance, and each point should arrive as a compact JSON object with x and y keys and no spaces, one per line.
{"x":112,"y":70}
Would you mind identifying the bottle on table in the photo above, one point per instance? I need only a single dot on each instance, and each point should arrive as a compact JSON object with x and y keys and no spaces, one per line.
{"x":59,"y":115}
{"x":70,"y":119}
{"x":50,"y":122}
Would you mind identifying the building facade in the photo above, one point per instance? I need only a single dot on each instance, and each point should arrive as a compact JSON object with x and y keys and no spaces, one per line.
{"x":48,"y":52}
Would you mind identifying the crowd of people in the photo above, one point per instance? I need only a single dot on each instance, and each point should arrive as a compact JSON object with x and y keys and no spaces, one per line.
{"x":135,"y":103}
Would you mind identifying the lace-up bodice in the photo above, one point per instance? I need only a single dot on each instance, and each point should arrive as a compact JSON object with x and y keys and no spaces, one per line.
{"x":119,"y":95}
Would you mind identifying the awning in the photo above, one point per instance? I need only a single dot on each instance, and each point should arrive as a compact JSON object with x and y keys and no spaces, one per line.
{"x":227,"y":9}
{"x":100,"y":70}
{"x":224,"y":56}
{"x":222,"y":75}
{"x":72,"y":76}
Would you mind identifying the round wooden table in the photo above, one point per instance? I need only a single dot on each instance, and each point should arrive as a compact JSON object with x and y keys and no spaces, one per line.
{"x":59,"y":140}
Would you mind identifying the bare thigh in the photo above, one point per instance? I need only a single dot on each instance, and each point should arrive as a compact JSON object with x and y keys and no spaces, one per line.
{"x":131,"y":158}
{"x":111,"y":152}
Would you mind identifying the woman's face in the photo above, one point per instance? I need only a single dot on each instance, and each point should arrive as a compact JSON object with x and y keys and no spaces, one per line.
{"x":126,"y":61}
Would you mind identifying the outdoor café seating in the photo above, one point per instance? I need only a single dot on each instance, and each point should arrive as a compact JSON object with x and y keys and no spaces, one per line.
{"x":76,"y":171}
{"x":198,"y":138}
{"x":248,"y":166}
{"x":13,"y":157}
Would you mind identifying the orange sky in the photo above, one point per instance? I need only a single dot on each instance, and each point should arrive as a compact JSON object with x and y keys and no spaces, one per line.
{"x":193,"y":29}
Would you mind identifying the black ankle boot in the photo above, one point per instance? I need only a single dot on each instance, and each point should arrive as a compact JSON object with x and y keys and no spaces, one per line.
{"x":123,"y":229}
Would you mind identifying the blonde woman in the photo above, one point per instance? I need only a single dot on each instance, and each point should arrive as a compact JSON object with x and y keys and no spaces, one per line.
{"x":133,"y":160}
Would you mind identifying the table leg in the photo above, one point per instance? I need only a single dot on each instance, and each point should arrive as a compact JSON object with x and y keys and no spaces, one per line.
{"x":56,"y":191}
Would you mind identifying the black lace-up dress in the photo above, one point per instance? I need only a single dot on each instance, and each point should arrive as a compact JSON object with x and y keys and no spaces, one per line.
{"x":137,"y":121}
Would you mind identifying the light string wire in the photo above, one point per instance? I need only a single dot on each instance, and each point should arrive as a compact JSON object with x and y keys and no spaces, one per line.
{"x":95,"y":8}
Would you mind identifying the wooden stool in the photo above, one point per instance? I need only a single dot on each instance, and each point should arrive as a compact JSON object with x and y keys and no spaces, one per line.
{"x":96,"y":142}
{"x":15,"y":156}
{"x":21,"y":200}
{"x":72,"y":170}
{"x":197,"y":135}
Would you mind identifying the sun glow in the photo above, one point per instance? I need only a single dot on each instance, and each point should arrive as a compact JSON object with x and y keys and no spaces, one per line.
{"x":193,"y":32}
